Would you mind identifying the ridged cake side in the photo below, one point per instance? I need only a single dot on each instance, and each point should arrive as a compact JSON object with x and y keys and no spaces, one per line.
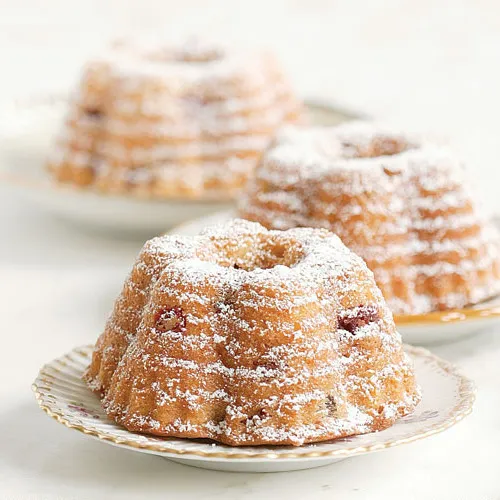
{"x":257,"y":337}
{"x":125,"y":319}
{"x":402,"y":203}
{"x":184,"y":121}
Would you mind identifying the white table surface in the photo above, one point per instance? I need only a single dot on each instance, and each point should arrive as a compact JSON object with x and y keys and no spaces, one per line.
{"x":430,"y":64}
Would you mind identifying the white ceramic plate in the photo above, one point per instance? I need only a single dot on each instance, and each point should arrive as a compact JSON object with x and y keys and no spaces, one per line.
{"x":26,"y":133}
{"x":447,"y":397}
{"x":422,"y":329}
{"x":446,"y":326}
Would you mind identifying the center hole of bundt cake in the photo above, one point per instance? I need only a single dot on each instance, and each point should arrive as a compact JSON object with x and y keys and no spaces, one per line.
{"x":182,"y":56}
{"x":189,"y":53}
{"x":379,"y":146}
{"x":198,"y":51}
{"x":265,"y":256}
{"x":193,"y":51}
{"x":199,"y":56}
{"x":250,"y":255}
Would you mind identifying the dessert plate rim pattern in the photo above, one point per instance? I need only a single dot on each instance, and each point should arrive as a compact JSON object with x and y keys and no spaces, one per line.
{"x":63,"y":395}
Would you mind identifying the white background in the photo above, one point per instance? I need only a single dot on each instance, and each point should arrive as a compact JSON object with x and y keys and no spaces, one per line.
{"x":432,"y":65}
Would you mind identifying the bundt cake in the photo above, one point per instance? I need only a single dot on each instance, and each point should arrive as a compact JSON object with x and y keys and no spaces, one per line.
{"x":248,"y":337}
{"x":401,"y":202}
{"x":172,"y":121}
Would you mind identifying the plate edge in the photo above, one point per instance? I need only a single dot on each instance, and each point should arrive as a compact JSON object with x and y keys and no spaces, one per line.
{"x":466,"y":392}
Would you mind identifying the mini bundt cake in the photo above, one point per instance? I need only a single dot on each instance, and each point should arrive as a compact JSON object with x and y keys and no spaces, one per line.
{"x":402,"y":203}
{"x":248,"y":337}
{"x":173,"y":121}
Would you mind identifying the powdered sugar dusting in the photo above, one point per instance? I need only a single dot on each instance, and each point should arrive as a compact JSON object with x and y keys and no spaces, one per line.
{"x":250,"y":336}
{"x":172,"y":119}
{"x":402,"y":202}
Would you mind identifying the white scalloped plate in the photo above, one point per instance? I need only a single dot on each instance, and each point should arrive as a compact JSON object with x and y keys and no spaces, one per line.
{"x":447,"y":397}
{"x":419,"y":329}
{"x":26,"y":133}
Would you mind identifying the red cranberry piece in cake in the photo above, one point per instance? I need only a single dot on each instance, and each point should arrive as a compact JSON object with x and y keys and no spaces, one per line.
{"x":358,"y":317}
{"x":93,"y":113}
{"x":173,"y":320}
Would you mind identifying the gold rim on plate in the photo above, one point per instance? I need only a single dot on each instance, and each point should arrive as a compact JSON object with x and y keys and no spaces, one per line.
{"x":487,"y":309}
{"x":47,"y":388}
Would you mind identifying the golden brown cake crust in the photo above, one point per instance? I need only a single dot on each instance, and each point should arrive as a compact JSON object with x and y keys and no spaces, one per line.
{"x":249,"y":337}
{"x":401,"y":202}
{"x":181,"y":121}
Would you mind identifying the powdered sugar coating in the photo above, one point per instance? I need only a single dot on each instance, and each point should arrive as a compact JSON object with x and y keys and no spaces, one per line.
{"x":236,"y":335}
{"x":172,"y":119}
{"x":402,"y":202}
